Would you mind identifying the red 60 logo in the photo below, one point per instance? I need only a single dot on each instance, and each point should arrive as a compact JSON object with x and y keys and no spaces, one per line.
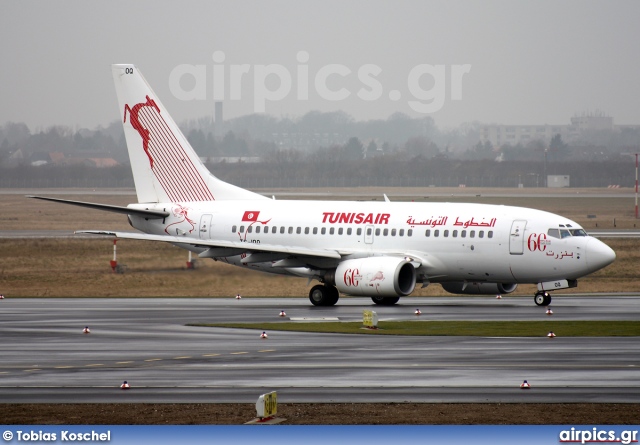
{"x":537,"y":241}
{"x":351,"y":277}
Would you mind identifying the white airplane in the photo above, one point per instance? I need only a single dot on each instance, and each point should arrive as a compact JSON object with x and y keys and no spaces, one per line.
{"x":381,"y":250}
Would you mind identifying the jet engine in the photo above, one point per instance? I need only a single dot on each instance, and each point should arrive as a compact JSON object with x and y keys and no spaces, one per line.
{"x":376,"y":276}
{"x":461,"y":287}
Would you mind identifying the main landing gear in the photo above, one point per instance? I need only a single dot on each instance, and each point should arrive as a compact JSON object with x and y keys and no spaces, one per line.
{"x":323,"y":295}
{"x":542,"y":298}
{"x":385,"y":301}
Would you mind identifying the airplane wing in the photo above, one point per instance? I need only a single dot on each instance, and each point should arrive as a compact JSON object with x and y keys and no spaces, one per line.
{"x":222,"y":248}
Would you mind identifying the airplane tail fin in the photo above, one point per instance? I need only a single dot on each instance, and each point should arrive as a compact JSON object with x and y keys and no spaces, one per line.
{"x":165,"y":166}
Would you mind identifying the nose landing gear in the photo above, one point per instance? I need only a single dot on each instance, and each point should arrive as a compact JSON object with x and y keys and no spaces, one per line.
{"x":542,"y":298}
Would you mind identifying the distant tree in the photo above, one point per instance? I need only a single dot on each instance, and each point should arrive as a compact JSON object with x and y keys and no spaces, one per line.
{"x":482,"y":150}
{"x":372,"y":149}
{"x":234,"y":146}
{"x":198,"y":141}
{"x":558,"y":149}
{"x":353,"y":149}
{"x":421,"y":146}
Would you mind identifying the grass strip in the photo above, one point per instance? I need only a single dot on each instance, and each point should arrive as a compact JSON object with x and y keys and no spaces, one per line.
{"x":581,"y":328}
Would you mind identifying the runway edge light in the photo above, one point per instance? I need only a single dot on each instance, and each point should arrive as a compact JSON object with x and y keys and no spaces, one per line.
{"x":125,"y":385}
{"x":549,"y":311}
{"x":264,"y":335}
{"x":525,"y":385}
{"x":551,"y":334}
{"x":86,"y":330}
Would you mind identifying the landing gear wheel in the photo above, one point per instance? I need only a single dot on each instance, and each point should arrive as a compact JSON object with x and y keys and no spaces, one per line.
{"x":385,"y":301}
{"x":321,"y":295}
{"x":335,"y":295}
{"x":542,"y":298}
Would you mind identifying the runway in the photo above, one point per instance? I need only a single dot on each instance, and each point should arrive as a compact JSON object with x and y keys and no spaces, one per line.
{"x":47,"y":358}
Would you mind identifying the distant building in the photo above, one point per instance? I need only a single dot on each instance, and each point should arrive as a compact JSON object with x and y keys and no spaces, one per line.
{"x":557,"y":181}
{"x":499,"y":135}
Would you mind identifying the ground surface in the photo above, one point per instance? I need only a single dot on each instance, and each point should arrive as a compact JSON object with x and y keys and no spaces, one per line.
{"x":324,"y":414}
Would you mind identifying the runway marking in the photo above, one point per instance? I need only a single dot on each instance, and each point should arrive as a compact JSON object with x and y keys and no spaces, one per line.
{"x":238,"y":353}
{"x":180,"y":358}
{"x":268,"y":350}
{"x":124,"y":363}
{"x":210,"y":355}
{"x":31,"y":370}
{"x":63,"y":367}
{"x":153,"y":359}
{"x":94,"y":364}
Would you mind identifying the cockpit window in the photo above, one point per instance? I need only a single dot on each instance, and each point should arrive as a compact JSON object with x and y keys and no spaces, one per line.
{"x":564,"y":233}
{"x":554,"y":233}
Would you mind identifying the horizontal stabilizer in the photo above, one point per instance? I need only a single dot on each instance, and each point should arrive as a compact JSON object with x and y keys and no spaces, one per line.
{"x":150,"y":214}
{"x":243,"y":246}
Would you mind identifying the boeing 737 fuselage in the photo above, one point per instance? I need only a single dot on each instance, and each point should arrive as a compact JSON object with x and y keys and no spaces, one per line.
{"x":377,"y":249}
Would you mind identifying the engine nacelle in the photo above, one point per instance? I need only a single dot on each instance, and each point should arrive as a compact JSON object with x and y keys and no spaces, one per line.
{"x":461,"y":287}
{"x":376,"y":276}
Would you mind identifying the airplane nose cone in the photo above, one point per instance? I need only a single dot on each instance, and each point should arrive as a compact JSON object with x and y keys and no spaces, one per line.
{"x":599,"y":255}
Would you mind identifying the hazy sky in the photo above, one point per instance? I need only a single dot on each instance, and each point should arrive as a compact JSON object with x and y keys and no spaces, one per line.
{"x":531,"y":62}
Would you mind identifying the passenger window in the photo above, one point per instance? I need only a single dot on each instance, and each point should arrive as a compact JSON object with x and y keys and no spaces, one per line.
{"x":490,"y":234}
{"x":306,"y":230}
{"x":274,"y":229}
{"x":290,"y":230}
{"x":282,"y":229}
{"x":369,"y":232}
{"x":428,"y":233}
{"x":299,"y":230}
{"x":249,"y":229}
{"x":410,"y":232}
{"x":377,"y":232}
{"x":332,"y":231}
{"x":323,"y":231}
{"x":446,"y":233}
{"x":385,"y":232}
{"x":233,"y":229}
{"x":481,"y":234}
{"x":436,"y":232}
{"x":340,"y":231}
{"x":555,"y":233}
{"x":359,"y":231}
{"x":463,"y":234}
{"x":472,"y":234}
{"x":455,"y":234}
{"x":257,"y":229}
{"x":401,"y":232}
{"x":241,"y":229}
{"x":315,"y":230}
{"x":349,"y":231}
{"x":393,"y":232}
